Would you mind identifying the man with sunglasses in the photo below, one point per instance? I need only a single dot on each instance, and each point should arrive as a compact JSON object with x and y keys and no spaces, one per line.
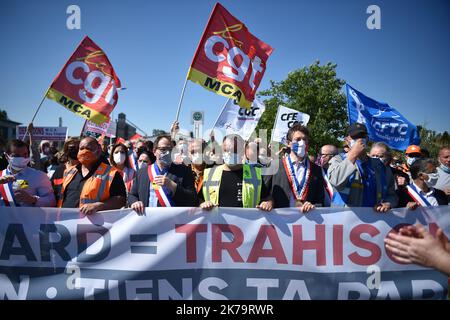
{"x":163,"y":183}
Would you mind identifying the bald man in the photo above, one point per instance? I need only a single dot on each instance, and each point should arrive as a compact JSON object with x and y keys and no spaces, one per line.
{"x":327,"y":152}
{"x":92,"y":185}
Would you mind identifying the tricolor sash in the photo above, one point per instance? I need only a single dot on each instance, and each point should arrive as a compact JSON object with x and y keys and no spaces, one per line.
{"x":7,"y":192}
{"x":161,"y":192}
{"x":299,"y":188}
{"x":417,"y":197}
{"x":328,"y":188}
{"x":134,"y":164}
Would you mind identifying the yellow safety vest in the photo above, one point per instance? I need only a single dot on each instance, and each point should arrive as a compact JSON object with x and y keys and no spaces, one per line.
{"x":251,"y":185}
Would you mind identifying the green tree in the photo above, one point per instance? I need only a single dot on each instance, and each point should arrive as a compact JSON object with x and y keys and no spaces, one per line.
{"x":314,"y":90}
{"x":3,"y":115}
{"x":432,"y":140}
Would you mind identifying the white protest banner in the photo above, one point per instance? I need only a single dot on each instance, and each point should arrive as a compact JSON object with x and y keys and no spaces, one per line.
{"x":237,"y":120}
{"x":43,"y":133}
{"x":106,"y":128}
{"x":230,"y":253}
{"x":285,"y":119}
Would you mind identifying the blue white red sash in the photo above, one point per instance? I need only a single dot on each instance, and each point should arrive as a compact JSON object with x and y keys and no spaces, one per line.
{"x":7,"y":192}
{"x":161,"y":192}
{"x":134,"y":164}
{"x":417,"y":196}
{"x":328,"y":188}
{"x":299,"y":188}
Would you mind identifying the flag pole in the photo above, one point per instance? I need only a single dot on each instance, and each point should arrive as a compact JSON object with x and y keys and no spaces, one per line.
{"x":181,"y":99}
{"x":37,"y":110}
{"x":275,"y":123}
{"x":223,"y":108}
{"x":82,"y":128}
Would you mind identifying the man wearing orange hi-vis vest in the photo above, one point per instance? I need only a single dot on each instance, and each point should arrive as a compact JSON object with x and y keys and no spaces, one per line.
{"x":92,"y":185}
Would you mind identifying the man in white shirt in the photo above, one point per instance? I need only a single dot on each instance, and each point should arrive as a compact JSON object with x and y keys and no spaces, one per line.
{"x":21,"y":185}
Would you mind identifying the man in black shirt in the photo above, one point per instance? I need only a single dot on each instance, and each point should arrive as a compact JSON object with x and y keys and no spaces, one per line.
{"x":92,"y":185}
{"x":234,"y":184}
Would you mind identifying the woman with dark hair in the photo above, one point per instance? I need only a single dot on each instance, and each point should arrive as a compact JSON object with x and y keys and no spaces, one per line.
{"x":118,"y":159}
{"x":67,"y":158}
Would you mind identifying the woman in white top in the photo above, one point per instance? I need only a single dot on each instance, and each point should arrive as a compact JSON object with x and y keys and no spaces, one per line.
{"x":118,"y":159}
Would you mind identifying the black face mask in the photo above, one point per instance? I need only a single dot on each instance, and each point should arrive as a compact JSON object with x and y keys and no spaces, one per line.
{"x":72,"y":153}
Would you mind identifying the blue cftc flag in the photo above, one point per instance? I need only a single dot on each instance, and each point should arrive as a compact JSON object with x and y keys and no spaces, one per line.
{"x":383,"y":122}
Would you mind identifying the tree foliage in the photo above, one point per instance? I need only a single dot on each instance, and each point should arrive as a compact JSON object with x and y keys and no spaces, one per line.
{"x":314,"y":90}
{"x":432,"y":140}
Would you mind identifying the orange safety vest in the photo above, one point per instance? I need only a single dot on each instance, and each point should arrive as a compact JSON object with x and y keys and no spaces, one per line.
{"x":95,"y":189}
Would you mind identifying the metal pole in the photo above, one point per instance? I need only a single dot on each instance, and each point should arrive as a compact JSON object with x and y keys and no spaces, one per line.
{"x":181,"y":99}
{"x":37,"y":110}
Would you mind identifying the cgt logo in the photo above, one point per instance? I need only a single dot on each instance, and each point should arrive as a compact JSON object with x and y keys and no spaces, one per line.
{"x":237,"y":62}
{"x":95,"y":83}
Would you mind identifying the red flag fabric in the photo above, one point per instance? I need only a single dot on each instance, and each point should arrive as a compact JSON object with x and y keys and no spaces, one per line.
{"x":135,"y":137}
{"x":229,"y":60}
{"x":87,"y":83}
{"x":120,"y":140}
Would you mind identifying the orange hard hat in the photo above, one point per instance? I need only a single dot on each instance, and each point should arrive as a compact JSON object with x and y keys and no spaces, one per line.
{"x":413,"y":149}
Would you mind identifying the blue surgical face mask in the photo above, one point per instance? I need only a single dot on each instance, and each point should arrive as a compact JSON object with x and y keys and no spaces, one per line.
{"x":299,"y":148}
{"x":230,"y":158}
{"x":444,"y":168}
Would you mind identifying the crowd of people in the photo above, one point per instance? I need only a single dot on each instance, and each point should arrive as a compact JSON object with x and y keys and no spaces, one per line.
{"x":95,"y":176}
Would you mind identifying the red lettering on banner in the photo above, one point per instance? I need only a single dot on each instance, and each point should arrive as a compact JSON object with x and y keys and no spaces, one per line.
{"x":355,"y":238}
{"x":338,"y":244}
{"x":231,"y":246}
{"x":276,"y":251}
{"x":191,"y":231}
{"x":299,"y":245}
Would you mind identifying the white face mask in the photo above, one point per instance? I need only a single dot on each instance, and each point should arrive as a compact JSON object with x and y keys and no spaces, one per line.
{"x":18,"y":163}
{"x":410,"y":160}
{"x":230,"y":158}
{"x":197,"y":158}
{"x":119,"y":158}
{"x":352,"y":143}
{"x":432,"y":179}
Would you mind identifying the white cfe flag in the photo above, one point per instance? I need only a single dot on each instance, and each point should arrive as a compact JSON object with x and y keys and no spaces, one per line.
{"x":237,"y":120}
{"x":285,"y":119}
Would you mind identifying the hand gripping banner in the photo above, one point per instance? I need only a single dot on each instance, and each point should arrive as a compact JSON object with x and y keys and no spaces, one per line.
{"x":231,"y":253}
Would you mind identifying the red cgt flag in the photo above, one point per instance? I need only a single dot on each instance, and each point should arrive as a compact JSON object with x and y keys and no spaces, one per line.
{"x":229,"y":60}
{"x":87,"y":84}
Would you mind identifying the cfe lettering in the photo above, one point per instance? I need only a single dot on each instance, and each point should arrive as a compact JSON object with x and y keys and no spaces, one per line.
{"x":291,"y":118}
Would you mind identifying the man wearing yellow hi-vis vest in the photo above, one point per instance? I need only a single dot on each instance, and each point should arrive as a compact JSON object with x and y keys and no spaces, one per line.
{"x":234,"y":184}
